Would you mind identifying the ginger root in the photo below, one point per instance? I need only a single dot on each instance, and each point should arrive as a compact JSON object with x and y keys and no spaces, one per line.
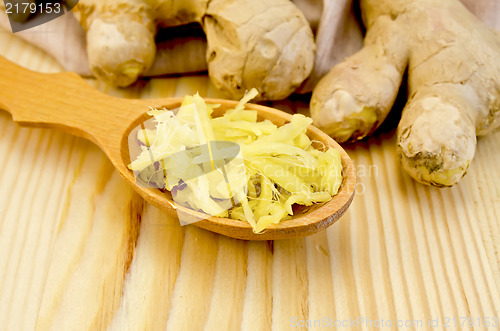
{"x":453,"y":85}
{"x":266,"y":44}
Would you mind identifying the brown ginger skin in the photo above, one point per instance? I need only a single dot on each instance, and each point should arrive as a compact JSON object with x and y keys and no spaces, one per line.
{"x":266,"y":44}
{"x":453,"y":85}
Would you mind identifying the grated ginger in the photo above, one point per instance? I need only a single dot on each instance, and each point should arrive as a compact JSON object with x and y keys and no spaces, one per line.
{"x":234,"y":166}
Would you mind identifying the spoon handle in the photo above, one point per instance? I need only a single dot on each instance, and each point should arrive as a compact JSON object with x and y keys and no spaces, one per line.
{"x":62,"y":100}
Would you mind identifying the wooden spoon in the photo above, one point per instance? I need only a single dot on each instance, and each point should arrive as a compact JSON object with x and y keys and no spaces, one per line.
{"x":66,"y":101}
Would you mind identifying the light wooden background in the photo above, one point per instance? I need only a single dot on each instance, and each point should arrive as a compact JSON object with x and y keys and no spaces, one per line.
{"x":79,"y":250}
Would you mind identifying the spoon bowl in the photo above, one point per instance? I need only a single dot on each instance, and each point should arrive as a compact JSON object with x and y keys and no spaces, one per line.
{"x":66,"y":101}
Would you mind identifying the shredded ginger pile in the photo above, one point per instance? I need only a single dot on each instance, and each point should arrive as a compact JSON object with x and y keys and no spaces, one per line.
{"x":279,"y":166}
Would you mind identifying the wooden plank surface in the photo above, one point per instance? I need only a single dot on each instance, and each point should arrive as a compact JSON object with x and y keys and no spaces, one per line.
{"x":79,"y":250}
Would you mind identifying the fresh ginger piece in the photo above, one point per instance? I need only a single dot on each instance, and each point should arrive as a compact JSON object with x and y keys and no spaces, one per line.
{"x":120,"y":38}
{"x":249,"y":43}
{"x":353,"y":99}
{"x":453,"y":85}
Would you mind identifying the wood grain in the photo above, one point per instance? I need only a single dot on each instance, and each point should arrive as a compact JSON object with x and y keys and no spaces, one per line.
{"x":79,"y":249}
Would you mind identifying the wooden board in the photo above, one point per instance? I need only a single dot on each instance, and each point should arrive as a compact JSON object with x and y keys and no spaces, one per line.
{"x":79,"y":250}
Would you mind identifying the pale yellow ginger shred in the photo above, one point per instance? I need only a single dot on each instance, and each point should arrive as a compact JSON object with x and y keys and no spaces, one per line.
{"x":280,"y":167}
